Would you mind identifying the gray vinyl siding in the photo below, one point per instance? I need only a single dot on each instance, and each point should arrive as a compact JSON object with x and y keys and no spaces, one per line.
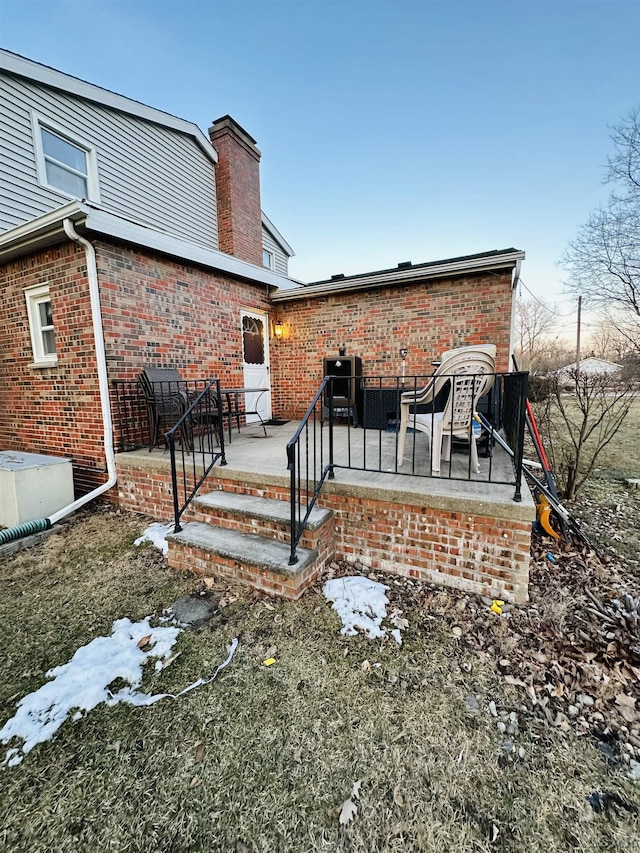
{"x":148,"y":173}
{"x":280,"y":259}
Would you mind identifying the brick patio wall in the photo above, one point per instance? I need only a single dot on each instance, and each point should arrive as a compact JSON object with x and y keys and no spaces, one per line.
{"x":487,"y":555}
{"x":472,"y":551}
{"x":426,"y":318}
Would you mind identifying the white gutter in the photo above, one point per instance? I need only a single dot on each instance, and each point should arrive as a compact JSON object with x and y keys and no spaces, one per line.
{"x":47,"y":229}
{"x":514,"y":300}
{"x":516,"y":274}
{"x":103,"y":381}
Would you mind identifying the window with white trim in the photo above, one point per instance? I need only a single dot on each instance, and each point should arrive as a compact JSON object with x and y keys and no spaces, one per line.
{"x":65,"y":163}
{"x":267,"y":259}
{"x":40,"y":315}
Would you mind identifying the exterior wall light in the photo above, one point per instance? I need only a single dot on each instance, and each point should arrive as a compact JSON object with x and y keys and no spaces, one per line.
{"x":278,"y":329}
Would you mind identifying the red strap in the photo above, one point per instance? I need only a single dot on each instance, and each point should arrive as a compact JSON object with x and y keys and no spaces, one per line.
{"x":536,"y":437}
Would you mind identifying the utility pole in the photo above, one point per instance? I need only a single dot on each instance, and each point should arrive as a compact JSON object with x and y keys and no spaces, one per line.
{"x":578,"y":339}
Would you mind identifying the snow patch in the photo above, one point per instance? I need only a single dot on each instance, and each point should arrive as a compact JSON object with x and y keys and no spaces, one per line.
{"x":361,"y":604}
{"x":83,"y":683}
{"x":155,"y":533}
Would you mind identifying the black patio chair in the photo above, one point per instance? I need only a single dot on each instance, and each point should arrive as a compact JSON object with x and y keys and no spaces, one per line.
{"x":168,"y":397}
{"x":165,"y":397}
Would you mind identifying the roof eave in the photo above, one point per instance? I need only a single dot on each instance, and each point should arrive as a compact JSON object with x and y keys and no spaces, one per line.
{"x":277,"y":236}
{"x":48,"y":230}
{"x":411,"y":275}
{"x":13,"y":63}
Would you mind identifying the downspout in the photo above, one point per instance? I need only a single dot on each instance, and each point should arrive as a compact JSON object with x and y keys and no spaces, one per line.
{"x":13,"y":533}
{"x":514,"y":299}
{"x":103,"y":379}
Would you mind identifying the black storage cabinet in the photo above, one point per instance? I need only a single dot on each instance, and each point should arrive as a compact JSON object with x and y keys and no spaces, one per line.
{"x":382,"y":407}
{"x":346,"y":388}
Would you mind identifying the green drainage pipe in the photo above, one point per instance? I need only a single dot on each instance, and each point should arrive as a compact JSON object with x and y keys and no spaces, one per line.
{"x":10,"y":534}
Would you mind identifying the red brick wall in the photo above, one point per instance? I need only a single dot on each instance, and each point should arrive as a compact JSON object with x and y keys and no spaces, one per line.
{"x":426,"y":318}
{"x":54,"y":410}
{"x":161,"y":312}
{"x":155,"y":311}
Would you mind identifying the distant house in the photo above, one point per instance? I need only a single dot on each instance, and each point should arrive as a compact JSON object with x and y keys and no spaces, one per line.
{"x":588,"y":367}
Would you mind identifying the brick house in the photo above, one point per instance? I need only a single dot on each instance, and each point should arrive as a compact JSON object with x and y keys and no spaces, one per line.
{"x":179,"y":247}
{"x":129,"y":238}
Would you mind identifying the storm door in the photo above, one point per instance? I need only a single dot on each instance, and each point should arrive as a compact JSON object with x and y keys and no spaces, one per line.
{"x":255,"y":363}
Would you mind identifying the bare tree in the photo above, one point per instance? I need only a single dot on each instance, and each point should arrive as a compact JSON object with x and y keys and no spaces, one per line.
{"x":604,"y":259}
{"x":607,"y":342}
{"x":579,"y":417}
{"x":534,"y":322}
{"x":624,"y":166}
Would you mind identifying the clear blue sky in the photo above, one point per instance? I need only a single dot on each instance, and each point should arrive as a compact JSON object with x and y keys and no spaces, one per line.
{"x":390,"y":131}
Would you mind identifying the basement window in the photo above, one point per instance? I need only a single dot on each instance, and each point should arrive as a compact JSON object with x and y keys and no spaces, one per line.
{"x":65,"y":163}
{"x":40,"y":315}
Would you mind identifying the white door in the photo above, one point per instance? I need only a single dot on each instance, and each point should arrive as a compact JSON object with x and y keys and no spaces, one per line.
{"x":255,"y":363}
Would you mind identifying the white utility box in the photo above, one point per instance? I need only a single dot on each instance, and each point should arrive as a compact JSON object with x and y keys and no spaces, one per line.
{"x":33,"y":486}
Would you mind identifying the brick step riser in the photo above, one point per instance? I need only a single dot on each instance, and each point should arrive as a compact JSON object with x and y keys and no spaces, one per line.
{"x":316,"y":540}
{"x":207,"y":564}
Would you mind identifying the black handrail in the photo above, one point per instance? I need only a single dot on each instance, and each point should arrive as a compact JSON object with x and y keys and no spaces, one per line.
{"x":202,"y":424}
{"x":309,"y":470}
{"x":504,"y":407}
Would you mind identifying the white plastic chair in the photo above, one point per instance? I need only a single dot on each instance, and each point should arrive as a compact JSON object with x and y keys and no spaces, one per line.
{"x":490,"y":349}
{"x":470,"y":374}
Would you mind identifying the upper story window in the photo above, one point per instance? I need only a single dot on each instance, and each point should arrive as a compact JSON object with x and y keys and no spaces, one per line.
{"x":267,"y":259}
{"x":40,"y":315}
{"x":65,"y":163}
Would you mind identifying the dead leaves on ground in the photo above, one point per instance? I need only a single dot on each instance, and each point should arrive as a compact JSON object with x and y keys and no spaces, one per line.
{"x":573,"y":650}
{"x":579,"y":636}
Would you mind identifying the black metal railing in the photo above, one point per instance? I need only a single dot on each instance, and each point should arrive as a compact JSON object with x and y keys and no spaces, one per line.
{"x":130,"y":415}
{"x":516,"y":388}
{"x":143,"y":412}
{"x":195,"y":444}
{"x":369,"y":436}
{"x":310,"y":463}
{"x":499,"y":423}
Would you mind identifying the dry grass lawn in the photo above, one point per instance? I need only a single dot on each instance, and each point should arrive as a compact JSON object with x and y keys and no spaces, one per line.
{"x":263,"y":758}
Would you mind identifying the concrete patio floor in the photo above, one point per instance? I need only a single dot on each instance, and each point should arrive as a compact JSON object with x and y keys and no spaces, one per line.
{"x":253,"y":457}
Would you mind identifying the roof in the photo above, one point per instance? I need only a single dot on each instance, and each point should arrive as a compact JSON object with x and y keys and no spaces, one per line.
{"x":48,"y":230}
{"x":277,"y":236}
{"x":407,"y":273}
{"x":592,"y":365}
{"x":13,"y":63}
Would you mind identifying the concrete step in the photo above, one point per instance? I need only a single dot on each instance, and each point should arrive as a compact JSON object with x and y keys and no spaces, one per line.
{"x":248,"y":558}
{"x":259,"y":508}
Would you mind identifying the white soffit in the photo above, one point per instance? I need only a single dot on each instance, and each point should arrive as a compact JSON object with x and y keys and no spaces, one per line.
{"x":48,"y":229}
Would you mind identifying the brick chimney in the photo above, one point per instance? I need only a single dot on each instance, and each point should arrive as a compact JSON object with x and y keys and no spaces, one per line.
{"x":238,"y":191}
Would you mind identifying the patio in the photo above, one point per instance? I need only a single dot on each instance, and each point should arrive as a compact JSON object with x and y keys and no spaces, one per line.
{"x":467,"y":533}
{"x":253,"y":456}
